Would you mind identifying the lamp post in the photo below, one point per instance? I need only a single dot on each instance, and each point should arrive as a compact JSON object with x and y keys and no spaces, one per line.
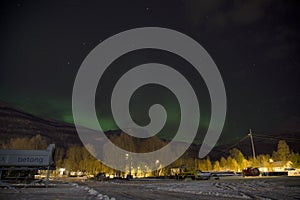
{"x":126,"y":158}
{"x":146,"y":171}
{"x":156,"y":165}
{"x":130,"y":166}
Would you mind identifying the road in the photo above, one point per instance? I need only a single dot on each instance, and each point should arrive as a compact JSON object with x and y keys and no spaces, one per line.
{"x":238,"y":188}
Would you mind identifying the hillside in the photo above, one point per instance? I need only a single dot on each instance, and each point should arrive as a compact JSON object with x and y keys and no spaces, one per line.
{"x":16,"y":123}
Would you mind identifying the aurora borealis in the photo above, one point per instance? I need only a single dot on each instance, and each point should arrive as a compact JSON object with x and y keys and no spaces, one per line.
{"x":255,"y":45}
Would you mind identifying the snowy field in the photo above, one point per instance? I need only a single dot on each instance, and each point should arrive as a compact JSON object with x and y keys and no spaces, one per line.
{"x":239,"y":188}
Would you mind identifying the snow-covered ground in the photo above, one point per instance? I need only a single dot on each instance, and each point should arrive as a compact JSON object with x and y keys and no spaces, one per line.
{"x":236,"y":188}
{"x":241,"y":188}
{"x":54,"y":191}
{"x":275,"y":188}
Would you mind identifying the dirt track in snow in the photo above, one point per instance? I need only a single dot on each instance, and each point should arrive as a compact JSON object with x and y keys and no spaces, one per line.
{"x":239,"y":188}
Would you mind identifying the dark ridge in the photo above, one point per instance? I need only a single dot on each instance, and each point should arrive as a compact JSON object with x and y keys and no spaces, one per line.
{"x":17,"y":123}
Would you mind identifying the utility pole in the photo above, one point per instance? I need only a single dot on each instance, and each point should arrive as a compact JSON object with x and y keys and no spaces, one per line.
{"x":130,"y":166}
{"x":252,"y":143}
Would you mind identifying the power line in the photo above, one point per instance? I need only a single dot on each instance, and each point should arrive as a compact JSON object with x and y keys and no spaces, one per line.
{"x":260,"y":136}
{"x":275,"y":137}
{"x":230,"y":147}
{"x":246,"y":136}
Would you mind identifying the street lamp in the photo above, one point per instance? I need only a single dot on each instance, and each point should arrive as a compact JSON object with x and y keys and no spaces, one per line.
{"x":126,"y":158}
{"x":156,"y":165}
{"x":130,"y":166}
{"x":146,"y":171}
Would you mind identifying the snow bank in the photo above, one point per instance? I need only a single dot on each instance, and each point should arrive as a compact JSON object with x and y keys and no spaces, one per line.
{"x":91,"y":192}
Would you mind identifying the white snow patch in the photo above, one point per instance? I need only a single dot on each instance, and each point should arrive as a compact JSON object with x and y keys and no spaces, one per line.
{"x":203,"y":188}
{"x":86,"y":188}
{"x":92,"y":192}
{"x":100,"y":196}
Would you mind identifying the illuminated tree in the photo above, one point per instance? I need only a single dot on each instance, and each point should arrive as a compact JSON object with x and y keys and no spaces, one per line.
{"x":208,"y":164}
{"x":19,"y":143}
{"x":283,"y":151}
{"x":232,"y":164}
{"x":73,"y":158}
{"x":202,"y":165}
{"x":223,"y":163}
{"x":295,"y":158}
{"x":216,"y":166}
{"x":237,"y":155}
{"x":253,"y":162}
{"x":263,"y":159}
{"x":36,"y":142}
{"x":60,"y":152}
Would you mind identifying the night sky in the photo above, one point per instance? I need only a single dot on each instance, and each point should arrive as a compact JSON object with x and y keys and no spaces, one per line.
{"x":254,"y":43}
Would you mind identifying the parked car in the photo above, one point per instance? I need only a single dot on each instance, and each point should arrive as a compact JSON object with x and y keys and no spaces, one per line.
{"x":207,"y":175}
{"x":101,"y":177}
{"x":251,"y":171}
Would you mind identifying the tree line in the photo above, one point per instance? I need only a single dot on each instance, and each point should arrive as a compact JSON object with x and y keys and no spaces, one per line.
{"x":78,"y":158}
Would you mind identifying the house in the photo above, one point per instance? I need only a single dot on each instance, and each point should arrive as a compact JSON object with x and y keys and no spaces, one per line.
{"x":280,"y":166}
